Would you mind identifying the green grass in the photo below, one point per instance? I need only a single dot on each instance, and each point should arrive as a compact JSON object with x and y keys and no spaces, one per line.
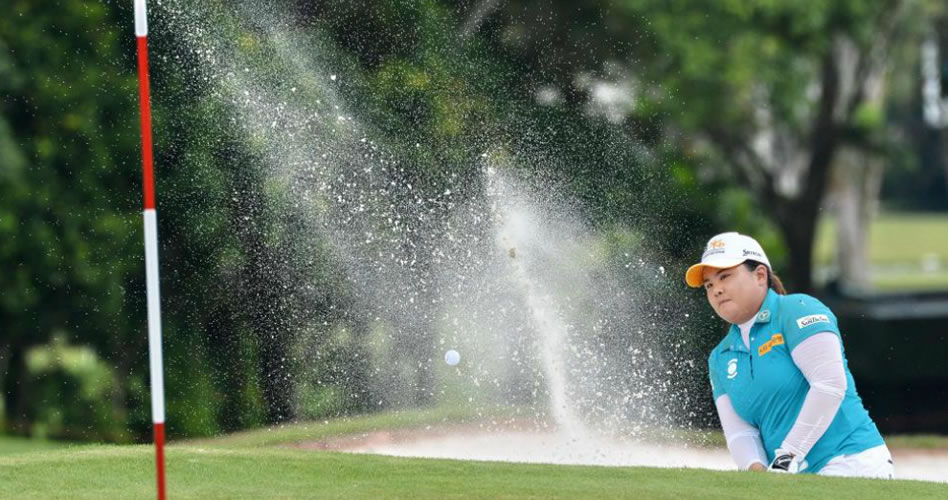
{"x":211,"y":472}
{"x":10,"y":445}
{"x":898,"y":243}
{"x":917,"y":441}
{"x":252,"y":465}
{"x":312,"y":431}
{"x":911,"y":281}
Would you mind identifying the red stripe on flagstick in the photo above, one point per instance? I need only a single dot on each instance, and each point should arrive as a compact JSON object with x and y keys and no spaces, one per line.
{"x":144,"y":99}
{"x":160,"y":458}
{"x":148,"y":186}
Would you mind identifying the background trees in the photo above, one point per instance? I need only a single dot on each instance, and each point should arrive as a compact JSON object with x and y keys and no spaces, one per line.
{"x":666,"y":119}
{"x":761,"y":95}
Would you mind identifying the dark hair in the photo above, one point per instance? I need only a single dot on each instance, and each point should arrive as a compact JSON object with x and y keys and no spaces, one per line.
{"x":773,"y":281}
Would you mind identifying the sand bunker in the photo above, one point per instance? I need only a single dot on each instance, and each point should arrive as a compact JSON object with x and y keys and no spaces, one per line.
{"x":552,"y":448}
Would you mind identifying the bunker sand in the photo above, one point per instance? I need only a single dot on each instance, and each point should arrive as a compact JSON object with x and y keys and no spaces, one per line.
{"x":545,"y":447}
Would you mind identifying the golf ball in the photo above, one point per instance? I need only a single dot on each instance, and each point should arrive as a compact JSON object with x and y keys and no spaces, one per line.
{"x":452,"y":357}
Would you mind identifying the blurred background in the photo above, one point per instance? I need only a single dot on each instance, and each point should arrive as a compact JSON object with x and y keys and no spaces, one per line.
{"x":820,"y":128}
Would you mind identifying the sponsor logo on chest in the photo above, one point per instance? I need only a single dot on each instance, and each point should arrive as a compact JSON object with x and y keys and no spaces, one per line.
{"x":732,"y":368}
{"x":774,"y":341}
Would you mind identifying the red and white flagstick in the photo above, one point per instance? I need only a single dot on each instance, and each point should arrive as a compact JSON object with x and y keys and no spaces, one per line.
{"x":151,"y":249}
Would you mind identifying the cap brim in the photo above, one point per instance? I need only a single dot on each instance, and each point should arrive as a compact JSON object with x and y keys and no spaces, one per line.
{"x":694,"y":276}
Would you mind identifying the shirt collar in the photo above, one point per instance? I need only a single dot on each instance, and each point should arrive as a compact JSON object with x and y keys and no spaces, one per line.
{"x":733,"y":341}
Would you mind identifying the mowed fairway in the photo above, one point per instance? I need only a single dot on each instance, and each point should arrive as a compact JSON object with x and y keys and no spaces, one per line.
{"x":13,"y":445}
{"x":900,"y":244}
{"x":208,"y":471}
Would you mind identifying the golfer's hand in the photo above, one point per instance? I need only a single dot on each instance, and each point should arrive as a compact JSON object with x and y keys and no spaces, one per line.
{"x":786,"y":463}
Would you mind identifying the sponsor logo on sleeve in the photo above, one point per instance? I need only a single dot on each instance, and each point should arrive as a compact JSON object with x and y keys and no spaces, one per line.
{"x":812,"y":319}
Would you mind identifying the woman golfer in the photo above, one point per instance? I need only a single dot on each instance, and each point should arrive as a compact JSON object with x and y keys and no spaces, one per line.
{"x":779,"y":377}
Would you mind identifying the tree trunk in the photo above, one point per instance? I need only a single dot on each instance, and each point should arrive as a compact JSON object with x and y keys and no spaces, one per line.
{"x":16,"y":392}
{"x":797,"y":220}
{"x":799,"y":234}
{"x":268,"y":315}
{"x":276,"y":377}
{"x":853,"y":198}
{"x":943,"y":147}
{"x":261,"y":283}
{"x":221,"y":334}
{"x":941,"y":28}
{"x":4,"y":379}
{"x":478,"y":14}
{"x":851,"y":240}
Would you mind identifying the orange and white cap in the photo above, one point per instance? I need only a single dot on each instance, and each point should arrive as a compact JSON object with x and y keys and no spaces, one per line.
{"x":723,"y":251}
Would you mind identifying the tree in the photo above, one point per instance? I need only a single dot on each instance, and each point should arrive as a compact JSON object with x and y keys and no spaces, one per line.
{"x":68,"y":193}
{"x":771,"y":91}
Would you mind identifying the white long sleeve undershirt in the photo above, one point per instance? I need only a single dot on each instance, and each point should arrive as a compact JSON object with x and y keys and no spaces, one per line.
{"x":743,"y":439}
{"x":820,"y":359}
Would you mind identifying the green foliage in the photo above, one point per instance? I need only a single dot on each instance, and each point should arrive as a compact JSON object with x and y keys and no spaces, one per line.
{"x":442,"y":95}
{"x":716,"y":80}
{"x":74,"y":388}
{"x":68,"y":164}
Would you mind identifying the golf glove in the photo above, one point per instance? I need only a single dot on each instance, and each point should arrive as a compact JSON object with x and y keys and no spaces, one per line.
{"x":786,"y":462}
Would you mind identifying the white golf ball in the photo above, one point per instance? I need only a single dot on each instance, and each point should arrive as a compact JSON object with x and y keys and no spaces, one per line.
{"x":452,"y":357}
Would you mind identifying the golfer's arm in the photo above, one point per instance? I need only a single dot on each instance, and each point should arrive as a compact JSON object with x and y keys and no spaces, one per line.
{"x":743,"y":439}
{"x":820,"y":358}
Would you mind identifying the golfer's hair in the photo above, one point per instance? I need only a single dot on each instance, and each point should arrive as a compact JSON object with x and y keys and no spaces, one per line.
{"x":773,"y":281}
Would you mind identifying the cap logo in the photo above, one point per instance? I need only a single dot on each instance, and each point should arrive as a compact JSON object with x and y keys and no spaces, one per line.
{"x":714,"y":247}
{"x":751,"y":252}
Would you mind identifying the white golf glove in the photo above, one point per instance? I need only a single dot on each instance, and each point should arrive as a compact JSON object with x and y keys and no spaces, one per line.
{"x":786,"y":462}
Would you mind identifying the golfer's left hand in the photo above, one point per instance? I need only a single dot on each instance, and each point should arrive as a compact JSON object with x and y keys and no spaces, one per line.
{"x":785,"y":462}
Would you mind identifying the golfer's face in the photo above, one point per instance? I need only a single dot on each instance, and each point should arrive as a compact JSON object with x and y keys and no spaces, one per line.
{"x":735,"y":293}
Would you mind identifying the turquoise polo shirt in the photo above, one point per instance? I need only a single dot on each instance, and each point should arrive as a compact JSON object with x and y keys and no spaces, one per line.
{"x":767,"y":389}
